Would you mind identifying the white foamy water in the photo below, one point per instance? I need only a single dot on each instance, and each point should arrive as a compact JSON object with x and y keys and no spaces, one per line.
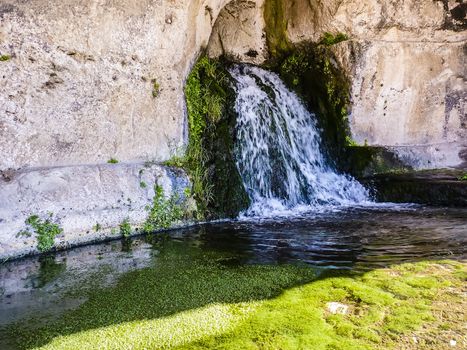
{"x":278,"y":150}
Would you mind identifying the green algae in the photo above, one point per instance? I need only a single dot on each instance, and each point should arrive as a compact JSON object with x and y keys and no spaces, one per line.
{"x":191,"y":300}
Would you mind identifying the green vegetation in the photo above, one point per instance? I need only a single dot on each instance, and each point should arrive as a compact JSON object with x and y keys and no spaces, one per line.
{"x":97,"y":227}
{"x":178,"y":160}
{"x":330,"y":39}
{"x":463,"y":177}
{"x":195,"y":302}
{"x":155,"y":88}
{"x":4,"y":58}
{"x":45,"y":231}
{"x":112,"y":161}
{"x":143,"y":184}
{"x":125,"y":228}
{"x":351,"y":142}
{"x":209,"y":155}
{"x":164,"y":212}
{"x":310,"y":70}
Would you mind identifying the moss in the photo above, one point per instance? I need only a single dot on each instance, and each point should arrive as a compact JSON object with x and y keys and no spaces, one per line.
{"x":365,"y":161}
{"x":209,"y":160}
{"x":4,"y":58}
{"x":276,"y":28}
{"x":143,"y":184}
{"x":311,"y":70}
{"x":155,"y":88}
{"x":112,"y":161}
{"x":330,"y":39}
{"x":45,"y":230}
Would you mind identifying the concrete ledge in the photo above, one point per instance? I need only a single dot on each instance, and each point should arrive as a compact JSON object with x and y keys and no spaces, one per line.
{"x":79,"y":197}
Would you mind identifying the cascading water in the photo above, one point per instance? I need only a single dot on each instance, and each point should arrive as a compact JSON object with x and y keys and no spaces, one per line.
{"x":278,"y":149}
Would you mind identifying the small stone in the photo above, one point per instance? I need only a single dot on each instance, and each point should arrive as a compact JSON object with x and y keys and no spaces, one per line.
{"x":337,"y":308}
{"x":452,"y":342}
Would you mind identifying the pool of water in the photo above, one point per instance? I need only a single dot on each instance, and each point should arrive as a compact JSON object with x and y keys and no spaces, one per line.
{"x":357,"y":239}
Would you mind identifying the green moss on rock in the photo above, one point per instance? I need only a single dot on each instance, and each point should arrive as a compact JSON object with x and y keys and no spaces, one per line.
{"x":209,"y":160}
{"x":312,"y":71}
{"x":276,"y":28}
{"x":364,"y":161}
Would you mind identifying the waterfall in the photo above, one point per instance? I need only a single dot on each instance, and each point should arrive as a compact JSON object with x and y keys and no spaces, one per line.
{"x":278,"y":149}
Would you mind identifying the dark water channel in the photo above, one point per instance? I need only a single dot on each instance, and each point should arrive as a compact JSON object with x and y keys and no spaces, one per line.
{"x":355,"y":239}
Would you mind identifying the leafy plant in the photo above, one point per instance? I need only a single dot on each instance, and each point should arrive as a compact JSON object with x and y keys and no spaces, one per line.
{"x":143,"y":184}
{"x":164,"y":211}
{"x":4,"y":58}
{"x":178,"y":159}
{"x":312,"y":71}
{"x":45,"y":231}
{"x":125,"y":228}
{"x":97,"y":227}
{"x":112,"y":161}
{"x":463,"y":177}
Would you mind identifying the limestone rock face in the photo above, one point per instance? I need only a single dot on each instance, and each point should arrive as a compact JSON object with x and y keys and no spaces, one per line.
{"x":407,"y":64}
{"x":238,"y":33}
{"x":88,"y":202}
{"x":78,"y":86}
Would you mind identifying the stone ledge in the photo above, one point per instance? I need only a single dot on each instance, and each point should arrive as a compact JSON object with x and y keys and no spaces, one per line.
{"x":440,"y":187}
{"x":79,"y":197}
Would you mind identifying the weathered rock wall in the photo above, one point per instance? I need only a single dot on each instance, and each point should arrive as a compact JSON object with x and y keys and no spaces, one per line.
{"x":78,"y":86}
{"x":88,"y":202}
{"x":406,"y":61}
